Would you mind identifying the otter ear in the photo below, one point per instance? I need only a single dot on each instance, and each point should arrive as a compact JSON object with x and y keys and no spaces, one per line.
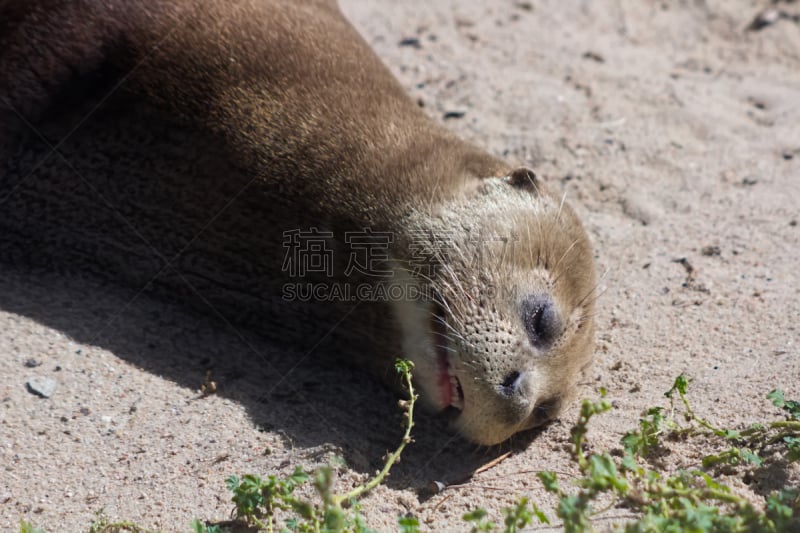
{"x":523,"y":178}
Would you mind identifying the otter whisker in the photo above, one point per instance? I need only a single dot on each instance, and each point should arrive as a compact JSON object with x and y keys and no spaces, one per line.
{"x":448,"y":348}
{"x":568,"y":250}
{"x":444,"y":323}
{"x":530,"y":240}
{"x":449,"y":270}
{"x":597,"y":296}
{"x":594,"y":289}
{"x":566,"y":270}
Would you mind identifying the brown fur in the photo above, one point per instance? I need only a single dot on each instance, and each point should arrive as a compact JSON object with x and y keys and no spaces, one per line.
{"x":171,"y":143}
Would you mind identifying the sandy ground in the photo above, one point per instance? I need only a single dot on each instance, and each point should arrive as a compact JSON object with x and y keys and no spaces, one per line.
{"x":674,"y":132}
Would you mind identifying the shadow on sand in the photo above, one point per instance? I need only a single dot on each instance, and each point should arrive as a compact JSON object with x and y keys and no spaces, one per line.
{"x":294,"y":391}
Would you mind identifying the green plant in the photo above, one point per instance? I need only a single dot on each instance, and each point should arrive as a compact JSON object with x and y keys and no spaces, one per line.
{"x":259,"y":501}
{"x":687,"y":500}
{"x":199,"y":527}
{"x":748,"y":445}
{"x":102,"y":524}
{"x":408,"y":524}
{"x":27,"y":527}
{"x":690,"y":500}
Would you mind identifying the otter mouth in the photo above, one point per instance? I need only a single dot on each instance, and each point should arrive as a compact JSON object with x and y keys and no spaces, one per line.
{"x":451,"y":394}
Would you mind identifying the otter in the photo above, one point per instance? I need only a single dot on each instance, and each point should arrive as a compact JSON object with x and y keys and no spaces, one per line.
{"x":256,"y":158}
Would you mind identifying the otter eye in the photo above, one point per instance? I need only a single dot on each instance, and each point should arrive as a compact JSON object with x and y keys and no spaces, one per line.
{"x":541,"y":320}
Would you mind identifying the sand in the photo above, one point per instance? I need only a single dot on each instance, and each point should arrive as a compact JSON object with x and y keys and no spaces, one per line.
{"x":673,"y":130}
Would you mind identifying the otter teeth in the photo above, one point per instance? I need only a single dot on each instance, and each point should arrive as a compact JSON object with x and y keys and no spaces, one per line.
{"x":456,"y":394}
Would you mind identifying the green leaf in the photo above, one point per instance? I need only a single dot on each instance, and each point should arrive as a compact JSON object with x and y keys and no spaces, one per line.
{"x":232,"y":483}
{"x":334,"y":519}
{"x":751,"y":457}
{"x":776,"y":395}
{"x":540,"y":514}
{"x":793,"y":444}
{"x":474,"y":516}
{"x":403,"y":366}
{"x":681,"y":384}
{"x":299,"y":476}
{"x":26,"y":527}
{"x":731,"y":434}
{"x":629,"y":463}
{"x":550,"y":481}
{"x":200,"y":527}
{"x":304,"y":509}
{"x":603,"y":474}
{"x":408,"y":524}
{"x":711,"y":482}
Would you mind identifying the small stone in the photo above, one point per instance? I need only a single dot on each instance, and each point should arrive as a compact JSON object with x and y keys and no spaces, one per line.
{"x":711,"y":251}
{"x":456,"y":113}
{"x":31,"y":363}
{"x":41,"y":386}
{"x":764,"y":19}
{"x":593,"y":56}
{"x":411,"y":41}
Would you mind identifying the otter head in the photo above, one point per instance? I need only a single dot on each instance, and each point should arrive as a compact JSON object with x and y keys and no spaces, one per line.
{"x":508,"y":324}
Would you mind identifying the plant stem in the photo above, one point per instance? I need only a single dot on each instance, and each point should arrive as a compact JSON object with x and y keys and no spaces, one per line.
{"x":791,"y":424}
{"x":392,"y":459}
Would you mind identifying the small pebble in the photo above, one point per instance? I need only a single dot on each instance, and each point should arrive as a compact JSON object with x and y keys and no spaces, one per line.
{"x":454,"y":114}
{"x":764,"y":19}
{"x":594,"y":56}
{"x":31,"y":363}
{"x":41,"y":386}
{"x":410,"y":41}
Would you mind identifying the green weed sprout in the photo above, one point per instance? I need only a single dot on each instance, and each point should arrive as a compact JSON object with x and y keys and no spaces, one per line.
{"x":690,"y":500}
{"x":258,"y":500}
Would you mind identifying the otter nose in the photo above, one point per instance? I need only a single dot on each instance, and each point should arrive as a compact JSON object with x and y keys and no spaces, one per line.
{"x":521,"y":410}
{"x":511,"y":384}
{"x":541,"y":320}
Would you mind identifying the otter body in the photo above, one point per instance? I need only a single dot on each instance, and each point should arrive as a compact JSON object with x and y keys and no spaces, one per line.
{"x":242,"y":155}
